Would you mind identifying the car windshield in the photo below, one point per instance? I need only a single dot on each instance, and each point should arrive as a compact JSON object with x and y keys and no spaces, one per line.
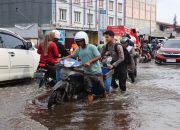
{"x":172,"y":44}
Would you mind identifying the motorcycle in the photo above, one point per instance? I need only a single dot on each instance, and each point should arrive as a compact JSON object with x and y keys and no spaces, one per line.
{"x":71,"y":84}
{"x":42,"y":76}
{"x":145,"y":58}
{"x":136,"y":57}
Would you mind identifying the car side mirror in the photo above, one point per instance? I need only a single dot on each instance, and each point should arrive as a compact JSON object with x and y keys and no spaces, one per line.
{"x":28,"y":45}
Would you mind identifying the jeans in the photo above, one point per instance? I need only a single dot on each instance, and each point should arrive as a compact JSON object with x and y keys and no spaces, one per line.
{"x":120,"y":74}
{"x":91,"y":79}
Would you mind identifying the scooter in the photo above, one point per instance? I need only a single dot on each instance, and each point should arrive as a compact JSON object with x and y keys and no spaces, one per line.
{"x":71,"y":83}
{"x":42,"y":77}
{"x":145,"y":58}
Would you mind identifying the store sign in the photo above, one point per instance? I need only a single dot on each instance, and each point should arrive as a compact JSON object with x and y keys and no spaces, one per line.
{"x":62,"y":36}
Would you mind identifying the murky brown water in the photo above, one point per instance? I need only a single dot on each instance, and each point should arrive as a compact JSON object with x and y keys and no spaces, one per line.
{"x":152,"y":103}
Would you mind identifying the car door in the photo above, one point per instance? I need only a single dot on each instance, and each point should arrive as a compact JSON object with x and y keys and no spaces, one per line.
{"x":4,"y":62}
{"x":21,"y":60}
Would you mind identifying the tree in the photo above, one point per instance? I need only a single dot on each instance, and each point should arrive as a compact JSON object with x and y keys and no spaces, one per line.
{"x":174,"y":22}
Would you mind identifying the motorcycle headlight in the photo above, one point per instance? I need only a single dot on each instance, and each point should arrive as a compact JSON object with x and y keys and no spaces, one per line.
{"x":68,"y":63}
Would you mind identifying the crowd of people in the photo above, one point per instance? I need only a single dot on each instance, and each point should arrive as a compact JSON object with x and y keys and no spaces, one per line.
{"x":122,"y":53}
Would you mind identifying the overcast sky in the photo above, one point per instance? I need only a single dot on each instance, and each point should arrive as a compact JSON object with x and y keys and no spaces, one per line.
{"x":166,"y":9}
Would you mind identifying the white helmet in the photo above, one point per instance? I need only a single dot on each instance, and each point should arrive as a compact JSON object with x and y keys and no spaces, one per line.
{"x":82,"y":35}
{"x":57,"y":34}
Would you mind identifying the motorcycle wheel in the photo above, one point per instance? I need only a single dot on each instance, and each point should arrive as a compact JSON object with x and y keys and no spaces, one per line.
{"x":41,"y":83}
{"x":57,"y":97}
{"x":52,"y":99}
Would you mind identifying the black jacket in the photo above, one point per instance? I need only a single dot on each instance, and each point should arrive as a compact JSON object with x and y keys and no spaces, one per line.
{"x":62,"y":50}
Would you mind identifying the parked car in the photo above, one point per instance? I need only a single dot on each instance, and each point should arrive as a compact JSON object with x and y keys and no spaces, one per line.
{"x":169,"y":53}
{"x":18,"y":59}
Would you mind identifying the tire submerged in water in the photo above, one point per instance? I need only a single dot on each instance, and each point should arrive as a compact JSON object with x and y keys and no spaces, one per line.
{"x":52,"y":99}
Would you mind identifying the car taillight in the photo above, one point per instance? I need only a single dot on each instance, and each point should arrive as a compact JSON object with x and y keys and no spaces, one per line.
{"x":42,"y":65}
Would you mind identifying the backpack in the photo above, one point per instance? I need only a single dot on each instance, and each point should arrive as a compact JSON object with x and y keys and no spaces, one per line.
{"x":127,"y":57}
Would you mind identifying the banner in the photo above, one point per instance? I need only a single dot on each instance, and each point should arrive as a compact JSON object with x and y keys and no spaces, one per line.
{"x":102,"y":20}
{"x":62,"y":36}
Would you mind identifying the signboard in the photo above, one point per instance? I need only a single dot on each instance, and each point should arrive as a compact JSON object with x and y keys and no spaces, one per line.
{"x":62,"y":36}
{"x":102,"y":19}
{"x":119,"y":30}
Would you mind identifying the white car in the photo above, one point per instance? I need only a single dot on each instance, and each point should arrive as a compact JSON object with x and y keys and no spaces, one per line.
{"x":18,"y":59}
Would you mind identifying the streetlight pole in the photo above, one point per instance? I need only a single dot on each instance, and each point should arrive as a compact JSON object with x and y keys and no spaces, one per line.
{"x":89,"y":19}
{"x":150,"y":17}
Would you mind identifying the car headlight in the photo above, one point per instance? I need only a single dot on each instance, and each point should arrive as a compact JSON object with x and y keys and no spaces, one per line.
{"x":160,"y":52}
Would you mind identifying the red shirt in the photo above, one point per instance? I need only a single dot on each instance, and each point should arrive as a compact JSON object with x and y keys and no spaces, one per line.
{"x":52,"y":56}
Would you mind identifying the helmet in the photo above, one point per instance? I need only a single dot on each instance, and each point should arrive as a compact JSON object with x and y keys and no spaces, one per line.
{"x":127,"y":35}
{"x":124,"y":40}
{"x":82,"y":36}
{"x":57,"y":34}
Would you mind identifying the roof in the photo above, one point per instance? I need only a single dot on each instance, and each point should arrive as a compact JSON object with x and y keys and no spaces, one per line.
{"x":168,"y":24}
{"x":158,"y":33}
{"x":25,"y":30}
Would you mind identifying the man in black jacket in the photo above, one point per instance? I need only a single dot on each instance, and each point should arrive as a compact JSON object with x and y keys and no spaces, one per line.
{"x":62,"y":50}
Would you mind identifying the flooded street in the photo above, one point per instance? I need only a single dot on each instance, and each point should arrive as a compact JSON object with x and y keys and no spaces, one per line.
{"x":152,"y":103}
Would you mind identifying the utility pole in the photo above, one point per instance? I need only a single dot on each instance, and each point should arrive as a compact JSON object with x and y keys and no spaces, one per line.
{"x":89,"y":19}
{"x":150,"y":17}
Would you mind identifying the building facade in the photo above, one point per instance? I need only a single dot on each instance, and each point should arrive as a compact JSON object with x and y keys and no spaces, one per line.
{"x":140,"y":14}
{"x":22,"y":11}
{"x":84,"y":14}
{"x":74,"y":15}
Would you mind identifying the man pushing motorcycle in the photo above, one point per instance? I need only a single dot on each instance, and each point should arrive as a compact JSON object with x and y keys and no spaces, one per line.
{"x":89,"y":56}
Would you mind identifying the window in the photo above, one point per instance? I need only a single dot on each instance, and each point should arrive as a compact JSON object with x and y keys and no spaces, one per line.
{"x":111,"y":21}
{"x":90,"y":18}
{"x":77,"y":1}
{"x":111,"y":3}
{"x":101,"y":3}
{"x":63,"y":0}
{"x":12,"y":42}
{"x":89,"y":2}
{"x":62,"y":14}
{"x":120,"y":7}
{"x":119,"y":21}
{"x":77,"y":16}
{"x":1,"y":42}
{"x":136,"y":4}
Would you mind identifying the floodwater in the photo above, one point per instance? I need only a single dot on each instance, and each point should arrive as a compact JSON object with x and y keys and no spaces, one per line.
{"x":152,"y":103}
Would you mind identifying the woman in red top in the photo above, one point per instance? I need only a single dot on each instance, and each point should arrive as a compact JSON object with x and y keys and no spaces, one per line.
{"x":49,"y":54}
{"x":48,"y":50}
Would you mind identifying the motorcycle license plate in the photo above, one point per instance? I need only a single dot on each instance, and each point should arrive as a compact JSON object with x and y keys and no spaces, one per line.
{"x":39,"y":75}
{"x":171,"y":60}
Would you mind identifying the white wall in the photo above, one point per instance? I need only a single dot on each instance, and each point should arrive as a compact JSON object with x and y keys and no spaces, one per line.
{"x":66,"y":6}
{"x":78,"y":8}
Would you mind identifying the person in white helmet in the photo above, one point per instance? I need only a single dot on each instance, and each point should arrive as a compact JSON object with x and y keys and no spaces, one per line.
{"x":62,"y":50}
{"x":90,"y":56}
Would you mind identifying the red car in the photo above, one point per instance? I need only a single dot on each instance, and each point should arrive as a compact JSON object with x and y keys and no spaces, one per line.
{"x":169,"y":53}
